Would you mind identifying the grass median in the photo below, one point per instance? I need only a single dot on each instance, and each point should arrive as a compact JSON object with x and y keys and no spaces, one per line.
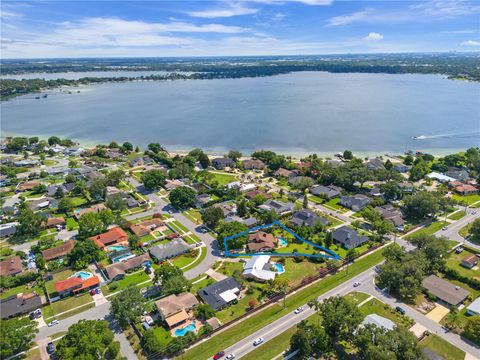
{"x":243,"y":329}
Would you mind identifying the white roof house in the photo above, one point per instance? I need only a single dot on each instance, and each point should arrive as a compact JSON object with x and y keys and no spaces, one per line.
{"x":247,"y":187}
{"x":474,"y":307}
{"x":259,"y":268}
{"x":379,"y":321}
{"x":440,"y":177}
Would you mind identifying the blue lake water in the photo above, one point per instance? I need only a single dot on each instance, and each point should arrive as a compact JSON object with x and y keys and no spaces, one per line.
{"x":295,"y":113}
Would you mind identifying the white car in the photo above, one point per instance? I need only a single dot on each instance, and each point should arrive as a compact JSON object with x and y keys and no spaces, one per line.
{"x":230,"y":357}
{"x":445,"y":228}
{"x":53,"y":323}
{"x":356,"y":284}
{"x":298,"y":310}
{"x":258,"y":341}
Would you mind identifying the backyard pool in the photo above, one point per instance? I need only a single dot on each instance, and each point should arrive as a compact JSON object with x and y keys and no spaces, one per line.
{"x":279,"y":268}
{"x":82,"y":275}
{"x":123,"y":258}
{"x":282,"y":242}
{"x":183,"y":331}
{"x":116,"y":248}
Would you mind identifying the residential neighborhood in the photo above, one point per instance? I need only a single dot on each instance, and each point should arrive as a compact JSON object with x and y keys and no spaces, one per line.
{"x":178,"y":250}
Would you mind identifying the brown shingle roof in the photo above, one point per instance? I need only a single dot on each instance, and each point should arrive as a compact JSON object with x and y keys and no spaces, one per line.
{"x":122,"y":267}
{"x":11,"y":266}
{"x":261,"y":240}
{"x":55,"y":221}
{"x":58,"y":251}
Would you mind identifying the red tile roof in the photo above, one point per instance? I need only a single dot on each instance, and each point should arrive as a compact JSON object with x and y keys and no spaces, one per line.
{"x":110,"y":237}
{"x":76,"y":284}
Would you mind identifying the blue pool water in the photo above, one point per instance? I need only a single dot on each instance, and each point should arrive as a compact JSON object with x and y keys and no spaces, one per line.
{"x":116,"y":248}
{"x":283,"y":242}
{"x":123,"y":258}
{"x":183,"y":331}
{"x":82,"y":275}
{"x":279,"y":268}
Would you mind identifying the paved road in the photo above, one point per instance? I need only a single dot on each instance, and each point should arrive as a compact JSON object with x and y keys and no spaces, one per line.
{"x":454,"y":228}
{"x":286,"y":322}
{"x":210,"y":242}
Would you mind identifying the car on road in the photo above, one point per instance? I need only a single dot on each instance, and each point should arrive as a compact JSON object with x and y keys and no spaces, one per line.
{"x":52,"y":323}
{"x":356,"y":284}
{"x":400,"y":310}
{"x":218,"y":355}
{"x":298,"y":310}
{"x":50,"y":348}
{"x":258,"y":341}
{"x":445,"y":228}
{"x":230,"y":357}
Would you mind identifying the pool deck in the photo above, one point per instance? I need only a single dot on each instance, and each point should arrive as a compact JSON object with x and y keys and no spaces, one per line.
{"x":198,"y":326}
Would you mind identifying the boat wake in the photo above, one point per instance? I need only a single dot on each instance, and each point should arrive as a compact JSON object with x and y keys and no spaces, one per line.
{"x":452,"y":135}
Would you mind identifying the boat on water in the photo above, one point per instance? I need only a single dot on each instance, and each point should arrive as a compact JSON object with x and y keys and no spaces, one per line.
{"x":421,"y":137}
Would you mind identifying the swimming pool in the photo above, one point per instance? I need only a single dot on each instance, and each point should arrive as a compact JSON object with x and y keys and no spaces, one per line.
{"x":283,"y":242}
{"x":82,"y":275}
{"x":116,"y":248}
{"x":279,"y":268}
{"x":183,"y":331}
{"x":123,"y":258}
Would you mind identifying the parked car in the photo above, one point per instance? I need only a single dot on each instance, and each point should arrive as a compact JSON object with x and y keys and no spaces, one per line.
{"x":258,"y":341}
{"x":298,"y":310}
{"x":230,"y":357}
{"x":148,"y":270}
{"x":445,"y":228}
{"x":50,"y":348}
{"x":218,"y":355}
{"x":52,"y":323}
{"x":400,"y":310}
{"x":458,"y":250}
{"x":356,"y":284}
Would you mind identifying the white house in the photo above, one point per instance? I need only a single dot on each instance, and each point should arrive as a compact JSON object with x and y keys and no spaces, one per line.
{"x":259,"y":268}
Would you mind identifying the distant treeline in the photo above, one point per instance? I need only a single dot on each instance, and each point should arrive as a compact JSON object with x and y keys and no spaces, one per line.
{"x":451,"y":65}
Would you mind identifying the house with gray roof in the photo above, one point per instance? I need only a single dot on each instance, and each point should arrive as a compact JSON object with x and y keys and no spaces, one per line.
{"x":356,"y":202}
{"x":330,"y":191}
{"x":308,"y":218}
{"x":474,"y":308}
{"x":169,"y":250}
{"x":391,"y":213}
{"x":220,"y":294}
{"x":19,"y":304}
{"x":375,"y":164}
{"x":458,"y":174}
{"x":378,"y":321}
{"x":445,"y":291}
{"x":348,"y":237}
{"x":222,"y":163}
{"x":279,"y":207}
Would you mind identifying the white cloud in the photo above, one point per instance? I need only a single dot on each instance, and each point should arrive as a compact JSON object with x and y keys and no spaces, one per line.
{"x":459,"y":32}
{"x":373,"y":36}
{"x":9,"y":14}
{"x":471,"y":43}
{"x":232,"y":9}
{"x":350,"y":18}
{"x":446,"y":8}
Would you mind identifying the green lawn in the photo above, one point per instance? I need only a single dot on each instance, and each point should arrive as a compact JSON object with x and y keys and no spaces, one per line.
{"x":77,"y":201}
{"x":71,"y":224}
{"x":266,"y":316}
{"x":201,"y":284}
{"x":178,"y":227}
{"x":333,"y":204}
{"x":183,"y":260}
{"x":69,"y":303}
{"x":198,"y":261}
{"x":467,"y":199}
{"x":194,"y":215}
{"x":315,"y":199}
{"x":241,"y":307}
{"x":130,"y":279}
{"x":273,"y":347}
{"x":464,"y":231}
{"x":442,"y":347}
{"x":456,"y":215}
{"x":162,"y":335}
{"x":48,"y":162}
{"x":455,"y":259}
{"x":296,"y":271}
{"x":375,"y":306}
{"x":356,"y":297}
{"x":427,"y":230}
{"x":21,"y":289}
{"x":222,"y":178}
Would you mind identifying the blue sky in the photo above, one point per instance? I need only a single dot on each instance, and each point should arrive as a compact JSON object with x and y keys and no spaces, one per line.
{"x":37,"y":29}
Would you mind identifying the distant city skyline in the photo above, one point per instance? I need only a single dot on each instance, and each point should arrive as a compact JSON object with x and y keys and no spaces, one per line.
{"x":51,"y":29}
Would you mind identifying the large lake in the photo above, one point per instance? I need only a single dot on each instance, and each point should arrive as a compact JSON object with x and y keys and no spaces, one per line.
{"x":295,"y":113}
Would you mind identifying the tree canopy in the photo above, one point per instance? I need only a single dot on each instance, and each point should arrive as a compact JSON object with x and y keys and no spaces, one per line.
{"x":128,"y":306}
{"x":16,"y":335}
{"x":182,"y":197}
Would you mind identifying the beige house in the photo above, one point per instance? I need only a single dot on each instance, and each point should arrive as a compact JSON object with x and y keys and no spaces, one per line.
{"x":174,"y":309}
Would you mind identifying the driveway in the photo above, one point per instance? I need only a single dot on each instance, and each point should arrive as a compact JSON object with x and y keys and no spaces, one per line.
{"x":438,"y":312}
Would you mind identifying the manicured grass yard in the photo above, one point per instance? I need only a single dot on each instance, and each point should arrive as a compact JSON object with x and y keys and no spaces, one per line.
{"x":456,"y":215}
{"x":183,"y":260}
{"x":198,"y":261}
{"x":68,"y":303}
{"x":178,"y":227}
{"x":333,"y":204}
{"x":77,"y":201}
{"x":162,"y":335}
{"x":467,"y":199}
{"x":266,"y":316}
{"x":296,"y":271}
{"x":315,"y":199}
{"x":375,"y":306}
{"x":356,"y":297}
{"x":71,"y":224}
{"x":427,"y":230}
{"x":455,"y":259}
{"x":21,"y":289}
{"x":241,"y":307}
{"x":130,"y":279}
{"x":193,"y":215}
{"x":441,"y":347}
{"x":223,"y":178}
{"x":201,"y":284}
